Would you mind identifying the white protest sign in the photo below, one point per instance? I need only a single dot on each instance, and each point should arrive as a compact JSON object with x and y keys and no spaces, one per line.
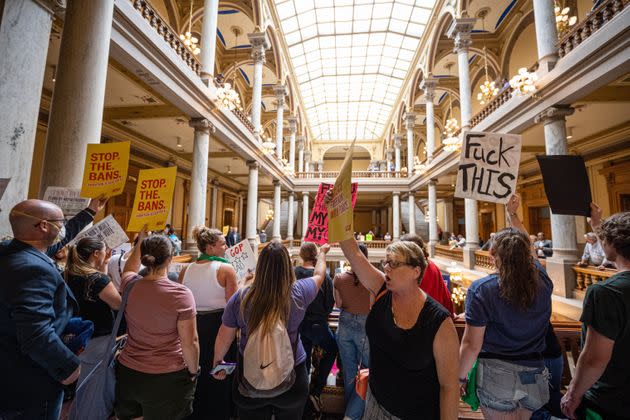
{"x":68,"y":199}
{"x":3,"y":185}
{"x":488,"y":166}
{"x":242,"y":259}
{"x":107,"y":230}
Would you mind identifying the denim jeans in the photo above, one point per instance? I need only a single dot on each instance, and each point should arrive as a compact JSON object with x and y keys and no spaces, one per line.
{"x":352,"y":342}
{"x":319,"y":334}
{"x":552,"y":408}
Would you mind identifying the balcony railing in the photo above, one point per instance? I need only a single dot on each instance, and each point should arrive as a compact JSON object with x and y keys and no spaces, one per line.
{"x":492,"y":106}
{"x":484,"y":260}
{"x":586,"y":276}
{"x":169,"y":34}
{"x":355,"y":174}
{"x":244,"y":119}
{"x":591,"y":24}
{"x":445,"y":251}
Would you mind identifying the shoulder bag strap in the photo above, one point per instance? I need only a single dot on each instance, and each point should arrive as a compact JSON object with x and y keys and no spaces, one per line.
{"x":123,"y":304}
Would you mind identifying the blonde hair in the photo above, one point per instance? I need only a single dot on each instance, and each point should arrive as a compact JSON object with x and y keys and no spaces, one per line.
{"x":205,"y":236}
{"x":78,"y":263}
{"x":411,"y":253}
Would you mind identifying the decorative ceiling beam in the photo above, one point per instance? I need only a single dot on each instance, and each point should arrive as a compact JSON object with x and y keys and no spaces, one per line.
{"x":140,"y":112}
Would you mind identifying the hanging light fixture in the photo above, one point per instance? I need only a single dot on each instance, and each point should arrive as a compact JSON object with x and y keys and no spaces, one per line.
{"x":228,"y":97}
{"x":524,"y":83}
{"x":488,"y":88}
{"x":563,"y":21}
{"x":189,"y":40}
{"x":267,"y":145}
{"x":451,"y":141}
{"x":419,"y":167}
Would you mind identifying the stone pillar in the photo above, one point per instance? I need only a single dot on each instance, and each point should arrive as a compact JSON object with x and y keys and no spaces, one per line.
{"x":410,"y":120}
{"x":307,"y":161}
{"x":373,"y":217}
{"x":209,"y":39}
{"x":472,"y":232}
{"x":24,"y":34}
{"x":280,"y":91}
{"x":214,"y":204}
{"x":412,"y":212}
{"x":259,"y":43}
{"x":240,"y":212}
{"x":433,"y":232}
{"x":396,"y":215}
{"x":546,"y":35}
{"x":252,"y":205}
{"x":384,"y":224}
{"x":389,"y":153}
{"x":563,"y":227}
{"x":291,"y":215}
{"x":277,"y":210}
{"x":301,"y":154}
{"x":320,"y":166}
{"x":428,"y":85}
{"x":390,"y":220}
{"x":76,"y":114}
{"x":460,"y":32}
{"x":397,"y":151}
{"x":449,"y":224}
{"x":305,"y":213}
{"x":292,"y":131}
{"x":198,"y":178}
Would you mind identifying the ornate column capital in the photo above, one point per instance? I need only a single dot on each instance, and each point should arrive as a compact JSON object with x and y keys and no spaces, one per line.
{"x":307,"y":155}
{"x":460,"y":31}
{"x":304,"y":194}
{"x":215,"y":182}
{"x":554,"y":113}
{"x":396,"y":193}
{"x":202,"y":124}
{"x":260,"y":44}
{"x":428,"y":85}
{"x":397,"y":142}
{"x":276,"y":182}
{"x":301,"y":141}
{"x":291,"y":193}
{"x":432,"y":182}
{"x":410,"y":120}
{"x":292,"y":125}
{"x":252,"y":164}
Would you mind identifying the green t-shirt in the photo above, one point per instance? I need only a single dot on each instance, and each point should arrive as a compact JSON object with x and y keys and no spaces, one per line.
{"x":607,"y":310}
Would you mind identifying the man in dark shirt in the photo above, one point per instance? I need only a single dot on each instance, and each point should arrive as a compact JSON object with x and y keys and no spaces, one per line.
{"x":314,"y":329}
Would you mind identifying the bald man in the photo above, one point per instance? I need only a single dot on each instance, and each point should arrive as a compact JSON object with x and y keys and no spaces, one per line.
{"x":35,"y":306}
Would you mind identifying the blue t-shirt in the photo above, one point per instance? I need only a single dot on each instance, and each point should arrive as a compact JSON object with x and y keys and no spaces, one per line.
{"x":303,"y":293}
{"x":510,"y":330}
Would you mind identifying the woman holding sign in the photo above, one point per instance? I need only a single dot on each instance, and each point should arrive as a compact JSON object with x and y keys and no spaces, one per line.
{"x":212,"y":281}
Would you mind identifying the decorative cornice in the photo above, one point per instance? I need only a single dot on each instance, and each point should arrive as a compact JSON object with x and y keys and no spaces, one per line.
{"x":554,"y":113}
{"x":260,"y":44}
{"x":428,"y":85}
{"x":460,"y":31}
{"x":202,"y":124}
{"x":280,"y":91}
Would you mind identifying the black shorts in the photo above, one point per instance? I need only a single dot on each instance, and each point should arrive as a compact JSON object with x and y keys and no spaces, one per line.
{"x":167,"y":396}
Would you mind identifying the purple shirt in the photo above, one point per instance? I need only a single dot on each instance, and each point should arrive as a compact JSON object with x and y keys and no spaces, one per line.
{"x":303,"y":293}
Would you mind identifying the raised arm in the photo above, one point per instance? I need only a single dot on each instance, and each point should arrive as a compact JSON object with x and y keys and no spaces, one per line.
{"x":319,"y":274}
{"x":512,"y":207}
{"x":133,"y":262}
{"x":371,"y":278}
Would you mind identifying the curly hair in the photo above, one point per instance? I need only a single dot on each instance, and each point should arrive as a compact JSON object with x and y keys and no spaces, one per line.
{"x":615,"y":230}
{"x":518,"y":276}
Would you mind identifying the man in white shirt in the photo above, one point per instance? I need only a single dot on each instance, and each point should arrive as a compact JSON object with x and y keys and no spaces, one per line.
{"x":593,"y":252}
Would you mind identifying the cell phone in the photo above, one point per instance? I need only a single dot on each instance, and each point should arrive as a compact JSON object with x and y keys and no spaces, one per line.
{"x":228,"y":367}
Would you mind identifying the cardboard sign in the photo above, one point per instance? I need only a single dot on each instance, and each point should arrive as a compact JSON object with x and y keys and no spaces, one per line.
{"x":317,"y":230}
{"x":107,"y":230}
{"x":105,"y":171}
{"x":242,"y":259}
{"x":3,"y":185}
{"x":340,"y":224}
{"x":154,"y":196}
{"x":225,"y":230}
{"x":69,"y":200}
{"x":488,"y":166}
{"x":566,"y":184}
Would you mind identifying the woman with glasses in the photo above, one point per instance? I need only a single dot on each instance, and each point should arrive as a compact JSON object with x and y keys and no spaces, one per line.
{"x":413,"y":342}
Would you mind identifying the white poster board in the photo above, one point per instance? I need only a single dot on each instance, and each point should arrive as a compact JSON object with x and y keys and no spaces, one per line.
{"x":68,"y":199}
{"x":488,"y":166}
{"x":242,"y":258}
{"x":107,"y":230}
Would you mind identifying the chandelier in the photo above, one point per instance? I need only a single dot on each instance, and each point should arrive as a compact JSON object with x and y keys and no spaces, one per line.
{"x":451,"y":142}
{"x":288,"y":168}
{"x":488,"y":88}
{"x":228,"y":97}
{"x":189,"y":40}
{"x":563,"y":21}
{"x":524,"y":83}
{"x":419,"y":167}
{"x":269,"y":215}
{"x":267,"y":145}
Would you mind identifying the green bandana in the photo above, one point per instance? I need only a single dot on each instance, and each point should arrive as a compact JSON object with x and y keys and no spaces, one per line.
{"x":207,"y":257}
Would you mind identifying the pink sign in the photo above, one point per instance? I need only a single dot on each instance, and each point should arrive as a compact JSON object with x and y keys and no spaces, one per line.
{"x":317,"y":230}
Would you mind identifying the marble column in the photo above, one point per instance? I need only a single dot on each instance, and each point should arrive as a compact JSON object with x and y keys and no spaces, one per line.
{"x":389,"y":153}
{"x":252,"y":205}
{"x":260,"y":44}
{"x":292,"y":131}
{"x":24,"y":38}
{"x":320,"y":166}
{"x":280,"y":91}
{"x":214,"y":204}
{"x":76,"y":114}
{"x":384,"y":224}
{"x":411,"y":200}
{"x":433,"y":232}
{"x":277,"y":210}
{"x":307,"y":161}
{"x":410,"y":121}
{"x":546,"y":35}
{"x":448,"y":216}
{"x":428,"y":85}
{"x":396,"y":215}
{"x":301,"y":140}
{"x":397,"y":146}
{"x":240,"y":212}
{"x":472,"y":232}
{"x":198,"y":177}
{"x":460,"y":31}
{"x":563,"y":228}
{"x":209,"y":39}
{"x":291,"y":215}
{"x":390,"y":220}
{"x":373,"y":217}
{"x":305,"y":213}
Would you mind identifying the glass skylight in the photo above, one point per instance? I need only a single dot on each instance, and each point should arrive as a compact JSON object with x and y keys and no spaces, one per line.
{"x":350,"y":59}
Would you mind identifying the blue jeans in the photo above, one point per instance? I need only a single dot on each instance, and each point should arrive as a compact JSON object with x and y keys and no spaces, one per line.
{"x":319,"y":334}
{"x":552,"y":408}
{"x":352,"y":342}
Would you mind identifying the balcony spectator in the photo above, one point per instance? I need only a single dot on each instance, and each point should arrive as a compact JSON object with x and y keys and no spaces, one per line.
{"x":593,"y":252}
{"x":387,"y":237}
{"x":486,"y":245}
{"x":543,"y":246}
{"x":461,"y":241}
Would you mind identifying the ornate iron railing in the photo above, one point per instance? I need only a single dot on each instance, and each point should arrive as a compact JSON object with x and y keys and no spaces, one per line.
{"x":355,"y":174}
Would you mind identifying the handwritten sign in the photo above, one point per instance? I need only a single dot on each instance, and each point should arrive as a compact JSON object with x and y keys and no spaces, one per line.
{"x":107,"y":230}
{"x":317,"y":230}
{"x":242,"y":259}
{"x":105,"y":171}
{"x":340,"y":224}
{"x":488,"y":166}
{"x":154,"y":196}
{"x":69,"y":200}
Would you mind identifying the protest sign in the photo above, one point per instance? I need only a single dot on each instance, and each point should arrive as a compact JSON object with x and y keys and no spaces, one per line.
{"x":488,"y":166}
{"x":317,"y":230}
{"x":105,"y":171}
{"x":154,"y":195}
{"x":242,"y":259}
{"x":571,"y":198}
{"x":340,"y":223}
{"x":225,"y":230}
{"x":107,"y":230}
{"x":3,"y":185}
{"x":69,"y":200}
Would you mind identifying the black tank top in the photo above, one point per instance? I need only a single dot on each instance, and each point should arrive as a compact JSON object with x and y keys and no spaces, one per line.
{"x":403,"y":375}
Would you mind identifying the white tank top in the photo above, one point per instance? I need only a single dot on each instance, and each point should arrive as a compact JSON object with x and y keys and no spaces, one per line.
{"x":201,"y":279}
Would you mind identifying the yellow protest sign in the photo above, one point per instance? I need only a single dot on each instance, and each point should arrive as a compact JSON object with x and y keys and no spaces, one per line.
{"x":226,"y":230}
{"x":340,"y":220}
{"x":154,"y":196}
{"x":105,"y":171}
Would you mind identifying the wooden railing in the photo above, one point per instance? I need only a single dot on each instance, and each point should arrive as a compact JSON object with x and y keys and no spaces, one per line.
{"x":591,"y":24}
{"x":445,"y":251}
{"x":355,"y":174}
{"x":244,"y":119}
{"x":484,"y":260}
{"x":585,"y":276}
{"x":168,"y":34}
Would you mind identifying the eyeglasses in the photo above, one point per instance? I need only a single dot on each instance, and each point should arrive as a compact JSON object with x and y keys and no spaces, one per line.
{"x":393,"y":264}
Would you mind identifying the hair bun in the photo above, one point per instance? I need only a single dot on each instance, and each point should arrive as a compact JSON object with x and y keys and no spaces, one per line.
{"x":197,"y":231}
{"x":148,"y":260}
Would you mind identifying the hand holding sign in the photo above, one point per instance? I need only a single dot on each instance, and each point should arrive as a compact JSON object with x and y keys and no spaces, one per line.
{"x":317,"y":229}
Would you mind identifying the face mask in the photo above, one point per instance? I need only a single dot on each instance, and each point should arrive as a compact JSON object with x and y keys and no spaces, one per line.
{"x":60,"y":235}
